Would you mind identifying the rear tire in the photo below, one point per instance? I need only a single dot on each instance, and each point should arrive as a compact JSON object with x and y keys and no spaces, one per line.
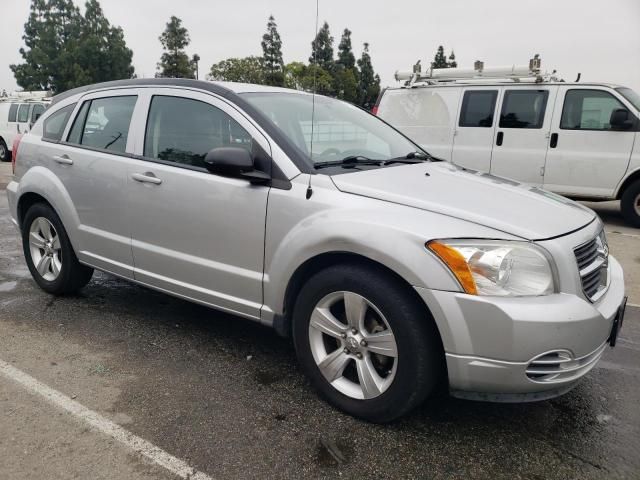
{"x":630,"y":204}
{"x":5,"y":154}
{"x":386,"y":308}
{"x":49,"y":254}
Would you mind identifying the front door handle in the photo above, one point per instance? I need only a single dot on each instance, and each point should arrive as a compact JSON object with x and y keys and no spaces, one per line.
{"x":553,"y":143}
{"x":499,"y":138}
{"x":146,"y":177}
{"x":63,"y":159}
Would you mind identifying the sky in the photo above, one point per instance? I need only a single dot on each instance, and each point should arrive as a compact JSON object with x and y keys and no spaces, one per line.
{"x":600,"y":39}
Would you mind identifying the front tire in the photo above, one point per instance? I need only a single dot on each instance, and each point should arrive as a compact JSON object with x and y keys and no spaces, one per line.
{"x":50,"y":257}
{"x":5,"y":154}
{"x":366,"y":343}
{"x":630,"y":204}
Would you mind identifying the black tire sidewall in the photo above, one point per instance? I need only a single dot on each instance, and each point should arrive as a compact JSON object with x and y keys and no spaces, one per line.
{"x":627,"y":204}
{"x":420,"y":356}
{"x":69,"y":261}
{"x":7,"y":155}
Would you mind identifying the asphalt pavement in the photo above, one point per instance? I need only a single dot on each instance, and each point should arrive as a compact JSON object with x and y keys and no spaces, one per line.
{"x":225,"y":397}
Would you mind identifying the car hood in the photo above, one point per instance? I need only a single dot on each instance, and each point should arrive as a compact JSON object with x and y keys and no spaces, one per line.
{"x":502,"y":204}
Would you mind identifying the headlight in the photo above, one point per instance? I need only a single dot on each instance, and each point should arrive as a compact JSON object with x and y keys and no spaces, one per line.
{"x":485,"y":267}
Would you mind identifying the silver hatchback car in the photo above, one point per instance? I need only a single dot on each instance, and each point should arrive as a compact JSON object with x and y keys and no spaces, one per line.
{"x":393,"y":272}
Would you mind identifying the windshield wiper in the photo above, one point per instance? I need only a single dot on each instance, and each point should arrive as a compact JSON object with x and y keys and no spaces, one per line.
{"x":349,"y":161}
{"x":411,"y":157}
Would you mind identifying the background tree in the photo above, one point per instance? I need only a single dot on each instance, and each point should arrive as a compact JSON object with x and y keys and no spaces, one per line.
{"x":195,"y":60}
{"x":322,"y":49}
{"x":452,"y":60}
{"x":66,"y":50}
{"x":439,"y":60}
{"x":346,"y":73}
{"x":247,"y":70}
{"x":272,"y":55}
{"x":175,"y":62}
{"x":369,"y":81}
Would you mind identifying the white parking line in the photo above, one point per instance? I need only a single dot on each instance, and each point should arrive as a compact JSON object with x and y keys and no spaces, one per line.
{"x":102,"y":424}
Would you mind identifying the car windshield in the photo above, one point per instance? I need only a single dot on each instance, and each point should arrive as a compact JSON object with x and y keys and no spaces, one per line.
{"x":339,"y":132}
{"x":630,"y":95}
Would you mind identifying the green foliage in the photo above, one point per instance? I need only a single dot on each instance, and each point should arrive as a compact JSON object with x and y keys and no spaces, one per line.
{"x":346,"y":58}
{"x":309,"y":78}
{"x":452,"y":60}
{"x":246,"y":70}
{"x":272,"y":55}
{"x":369,"y":81}
{"x":322,"y":49}
{"x":439,"y":60}
{"x":175,"y":63}
{"x":65,"y":49}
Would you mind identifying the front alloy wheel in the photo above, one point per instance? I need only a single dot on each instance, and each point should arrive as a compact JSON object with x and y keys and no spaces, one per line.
{"x":353,"y":345}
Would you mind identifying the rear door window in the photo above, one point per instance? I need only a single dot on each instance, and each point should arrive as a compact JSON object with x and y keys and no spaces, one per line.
{"x":103,"y":123}
{"x":54,"y":124}
{"x":477,"y":108}
{"x":182,"y":130}
{"x":588,"y":110}
{"x":23,"y":113}
{"x":523,"y":108}
{"x":13,"y":112}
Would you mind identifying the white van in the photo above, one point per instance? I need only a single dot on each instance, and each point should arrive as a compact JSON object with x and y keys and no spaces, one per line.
{"x":16,"y":117}
{"x":576,"y":139}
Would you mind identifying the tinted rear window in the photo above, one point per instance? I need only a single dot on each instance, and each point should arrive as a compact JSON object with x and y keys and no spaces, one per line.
{"x":477,"y":108}
{"x":523,"y":108}
{"x":13,"y":112}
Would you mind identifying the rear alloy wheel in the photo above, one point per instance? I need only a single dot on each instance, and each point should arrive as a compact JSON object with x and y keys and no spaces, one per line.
{"x":366,"y":343}
{"x":5,"y":154}
{"x":630,"y":204}
{"x":50,"y":257}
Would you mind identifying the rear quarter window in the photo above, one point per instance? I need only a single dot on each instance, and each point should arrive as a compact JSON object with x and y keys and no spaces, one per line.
{"x":54,"y":124}
{"x":13,"y":112}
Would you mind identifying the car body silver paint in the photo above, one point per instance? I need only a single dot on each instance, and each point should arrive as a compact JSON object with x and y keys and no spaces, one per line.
{"x":386,"y":215}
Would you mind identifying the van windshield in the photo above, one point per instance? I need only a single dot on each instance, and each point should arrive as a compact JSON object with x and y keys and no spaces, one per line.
{"x":630,"y":95}
{"x":339,"y":130}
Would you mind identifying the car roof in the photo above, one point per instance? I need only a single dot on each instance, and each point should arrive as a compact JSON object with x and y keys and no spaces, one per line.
{"x":504,"y":84}
{"x":225,"y":89}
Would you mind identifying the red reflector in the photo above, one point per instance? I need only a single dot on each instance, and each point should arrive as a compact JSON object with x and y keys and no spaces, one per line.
{"x":14,"y":152}
{"x":374,"y":110}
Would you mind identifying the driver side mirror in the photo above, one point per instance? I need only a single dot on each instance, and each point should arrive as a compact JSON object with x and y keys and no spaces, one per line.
{"x":620,"y":120}
{"x":234,"y":162}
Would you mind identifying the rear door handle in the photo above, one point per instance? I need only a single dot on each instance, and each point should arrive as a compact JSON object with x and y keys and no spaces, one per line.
{"x":146,"y":177}
{"x":499,"y":138}
{"x":553,"y":143}
{"x":63,"y":159}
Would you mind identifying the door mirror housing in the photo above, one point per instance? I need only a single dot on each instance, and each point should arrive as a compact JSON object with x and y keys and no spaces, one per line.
{"x":620,"y":119}
{"x":234,"y":162}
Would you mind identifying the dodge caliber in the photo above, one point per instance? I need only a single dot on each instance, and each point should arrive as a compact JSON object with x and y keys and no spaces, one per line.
{"x":394,"y":273}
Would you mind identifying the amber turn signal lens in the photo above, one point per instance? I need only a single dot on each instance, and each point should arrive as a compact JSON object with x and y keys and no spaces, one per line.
{"x":456,"y":263}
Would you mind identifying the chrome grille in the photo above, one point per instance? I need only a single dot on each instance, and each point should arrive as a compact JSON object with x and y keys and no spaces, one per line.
{"x":592,"y":259}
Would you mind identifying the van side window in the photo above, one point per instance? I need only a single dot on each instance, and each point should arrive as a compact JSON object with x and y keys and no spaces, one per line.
{"x":588,"y":110}
{"x":477,"y":108}
{"x":523,"y":108}
{"x":23,"y":113}
{"x":13,"y":112}
{"x":183,"y":130}
{"x":103,"y":123}
{"x":36,"y":113}
{"x":55,"y":123}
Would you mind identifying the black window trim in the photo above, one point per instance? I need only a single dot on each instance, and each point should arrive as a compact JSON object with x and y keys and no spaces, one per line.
{"x":465,"y":101}
{"x":544,"y":107}
{"x":636,"y":121}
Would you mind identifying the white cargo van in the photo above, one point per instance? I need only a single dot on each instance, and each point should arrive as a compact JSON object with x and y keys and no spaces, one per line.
{"x":17,"y":115}
{"x":577,"y":139}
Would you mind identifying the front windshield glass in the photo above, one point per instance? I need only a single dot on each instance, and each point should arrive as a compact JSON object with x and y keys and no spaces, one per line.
{"x":340,"y":130}
{"x":630,"y":95}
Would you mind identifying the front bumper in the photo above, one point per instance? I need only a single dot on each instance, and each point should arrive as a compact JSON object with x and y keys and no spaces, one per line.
{"x":490,"y":342}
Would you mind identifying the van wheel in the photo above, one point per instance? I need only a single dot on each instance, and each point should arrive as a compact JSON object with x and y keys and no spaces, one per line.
{"x":5,"y":154}
{"x":366,"y":344}
{"x":630,"y":204}
{"x":49,"y":254}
